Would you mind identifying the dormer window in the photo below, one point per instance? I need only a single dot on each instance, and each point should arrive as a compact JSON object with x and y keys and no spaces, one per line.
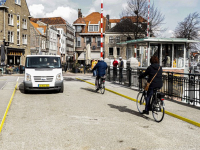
{"x":78,"y":28}
{"x":93,"y":28}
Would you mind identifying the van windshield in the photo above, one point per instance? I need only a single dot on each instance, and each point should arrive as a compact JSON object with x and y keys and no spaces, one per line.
{"x":43,"y":62}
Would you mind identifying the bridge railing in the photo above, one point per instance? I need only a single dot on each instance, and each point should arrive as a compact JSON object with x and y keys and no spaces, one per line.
{"x":176,"y":86}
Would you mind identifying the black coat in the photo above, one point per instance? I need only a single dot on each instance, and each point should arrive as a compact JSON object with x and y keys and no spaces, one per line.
{"x":151,"y":71}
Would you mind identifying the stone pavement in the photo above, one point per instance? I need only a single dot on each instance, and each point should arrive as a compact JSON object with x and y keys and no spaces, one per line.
{"x":175,"y":107}
{"x":178,"y":108}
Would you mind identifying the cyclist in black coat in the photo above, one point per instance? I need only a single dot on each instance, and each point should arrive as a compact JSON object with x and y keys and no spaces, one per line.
{"x":157,"y":81}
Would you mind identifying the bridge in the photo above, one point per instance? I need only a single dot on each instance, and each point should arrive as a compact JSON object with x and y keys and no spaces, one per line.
{"x":82,"y":119}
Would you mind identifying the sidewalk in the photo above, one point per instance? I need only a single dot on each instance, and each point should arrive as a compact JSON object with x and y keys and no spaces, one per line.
{"x":178,"y":108}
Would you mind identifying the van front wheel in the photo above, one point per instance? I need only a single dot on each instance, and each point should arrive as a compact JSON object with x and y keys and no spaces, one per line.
{"x":62,"y":89}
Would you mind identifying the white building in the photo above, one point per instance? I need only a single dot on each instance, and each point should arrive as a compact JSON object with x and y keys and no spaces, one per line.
{"x":63,"y":40}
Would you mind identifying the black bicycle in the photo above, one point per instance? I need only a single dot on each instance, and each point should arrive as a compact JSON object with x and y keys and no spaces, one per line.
{"x":101,"y":85}
{"x":156,"y":103}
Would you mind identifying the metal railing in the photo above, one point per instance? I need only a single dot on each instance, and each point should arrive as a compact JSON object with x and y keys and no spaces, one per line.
{"x":176,"y":86}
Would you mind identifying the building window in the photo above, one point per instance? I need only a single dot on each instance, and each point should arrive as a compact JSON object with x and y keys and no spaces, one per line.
{"x":88,"y":40}
{"x":43,"y":44}
{"x":78,"y":42}
{"x":118,"y":51}
{"x":111,"y":51}
{"x":98,"y":41}
{"x":78,"y":28}
{"x":11,"y":36}
{"x":10,"y":19}
{"x":18,"y":38}
{"x":93,"y":28}
{"x":117,"y":39}
{"x":24,"y":39}
{"x":111,"y":40}
{"x":18,"y":2}
{"x":24,"y":23}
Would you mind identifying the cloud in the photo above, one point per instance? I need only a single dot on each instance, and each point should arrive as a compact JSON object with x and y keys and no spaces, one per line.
{"x":90,"y":11}
{"x":39,"y":12}
{"x":67,"y":13}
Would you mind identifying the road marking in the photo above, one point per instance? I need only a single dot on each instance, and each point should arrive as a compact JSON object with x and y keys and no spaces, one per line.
{"x":166,"y":112}
{"x":5,"y":114}
{"x":4,"y":85}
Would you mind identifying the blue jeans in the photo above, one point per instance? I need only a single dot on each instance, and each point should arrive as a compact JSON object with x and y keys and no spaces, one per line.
{"x":95,"y":73}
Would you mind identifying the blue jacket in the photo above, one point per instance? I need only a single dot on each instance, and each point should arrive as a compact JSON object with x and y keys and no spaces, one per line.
{"x":101,"y":67}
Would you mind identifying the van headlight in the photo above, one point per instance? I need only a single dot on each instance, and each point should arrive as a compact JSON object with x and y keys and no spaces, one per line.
{"x":58,"y":77}
{"x":28,"y":77}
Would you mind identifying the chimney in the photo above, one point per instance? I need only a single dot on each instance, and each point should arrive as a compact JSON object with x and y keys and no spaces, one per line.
{"x":79,"y":13}
{"x":107,"y":22}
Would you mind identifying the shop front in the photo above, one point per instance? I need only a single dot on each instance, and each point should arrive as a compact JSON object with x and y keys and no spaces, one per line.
{"x":172,"y":52}
{"x":14,"y":56}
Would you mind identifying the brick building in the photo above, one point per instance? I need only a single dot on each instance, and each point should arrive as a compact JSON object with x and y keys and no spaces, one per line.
{"x":38,"y":38}
{"x":15,"y":29}
{"x":88,"y":31}
{"x":68,"y":31}
{"x":117,"y":34}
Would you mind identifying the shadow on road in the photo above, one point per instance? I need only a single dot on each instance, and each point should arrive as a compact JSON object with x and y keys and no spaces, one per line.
{"x":125,"y":109}
{"x":89,"y":89}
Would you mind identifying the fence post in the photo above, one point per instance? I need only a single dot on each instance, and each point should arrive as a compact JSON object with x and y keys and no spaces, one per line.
{"x":109,"y":72}
{"x":130,"y":76}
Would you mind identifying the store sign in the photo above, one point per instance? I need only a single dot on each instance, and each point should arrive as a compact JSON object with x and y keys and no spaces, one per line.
{"x":15,"y":53}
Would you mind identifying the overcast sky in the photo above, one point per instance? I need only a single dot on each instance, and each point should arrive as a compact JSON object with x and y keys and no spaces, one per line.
{"x":174,"y":10}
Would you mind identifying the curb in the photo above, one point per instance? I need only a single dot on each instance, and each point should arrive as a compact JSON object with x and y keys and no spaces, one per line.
{"x":166,"y":112}
{"x":5,"y":114}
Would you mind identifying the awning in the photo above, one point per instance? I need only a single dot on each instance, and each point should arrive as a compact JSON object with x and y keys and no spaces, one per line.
{"x":9,"y":49}
{"x":94,"y":55}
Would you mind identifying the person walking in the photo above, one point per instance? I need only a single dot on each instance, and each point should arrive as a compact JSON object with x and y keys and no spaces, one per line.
{"x":121,"y":66}
{"x":115,"y":63}
{"x":157,"y":81}
{"x":94,"y":62}
{"x":101,"y":67}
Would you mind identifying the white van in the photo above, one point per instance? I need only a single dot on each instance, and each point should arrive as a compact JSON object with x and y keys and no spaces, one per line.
{"x":43,"y":72}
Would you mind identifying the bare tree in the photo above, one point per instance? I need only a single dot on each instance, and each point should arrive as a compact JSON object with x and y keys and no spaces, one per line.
{"x":190,"y":28}
{"x":135,"y":18}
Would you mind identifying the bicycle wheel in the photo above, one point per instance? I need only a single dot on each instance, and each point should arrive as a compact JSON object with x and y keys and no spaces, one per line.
{"x":140,"y":101}
{"x":102,"y":88}
{"x":158,"y":110}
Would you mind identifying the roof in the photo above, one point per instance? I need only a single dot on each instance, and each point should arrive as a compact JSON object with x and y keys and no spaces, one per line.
{"x":79,"y":21}
{"x":114,"y":20}
{"x":51,"y":20}
{"x":93,"y":18}
{"x":134,"y":18}
{"x":154,"y":39}
{"x":36,"y":26}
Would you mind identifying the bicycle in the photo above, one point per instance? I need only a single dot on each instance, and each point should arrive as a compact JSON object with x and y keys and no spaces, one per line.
{"x":101,"y":85}
{"x":156,"y":103}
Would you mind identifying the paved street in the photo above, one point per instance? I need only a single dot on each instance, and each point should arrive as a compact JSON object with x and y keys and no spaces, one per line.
{"x":81,"y":119}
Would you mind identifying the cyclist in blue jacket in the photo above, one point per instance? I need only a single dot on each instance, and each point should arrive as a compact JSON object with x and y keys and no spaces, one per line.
{"x":101,"y":67}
